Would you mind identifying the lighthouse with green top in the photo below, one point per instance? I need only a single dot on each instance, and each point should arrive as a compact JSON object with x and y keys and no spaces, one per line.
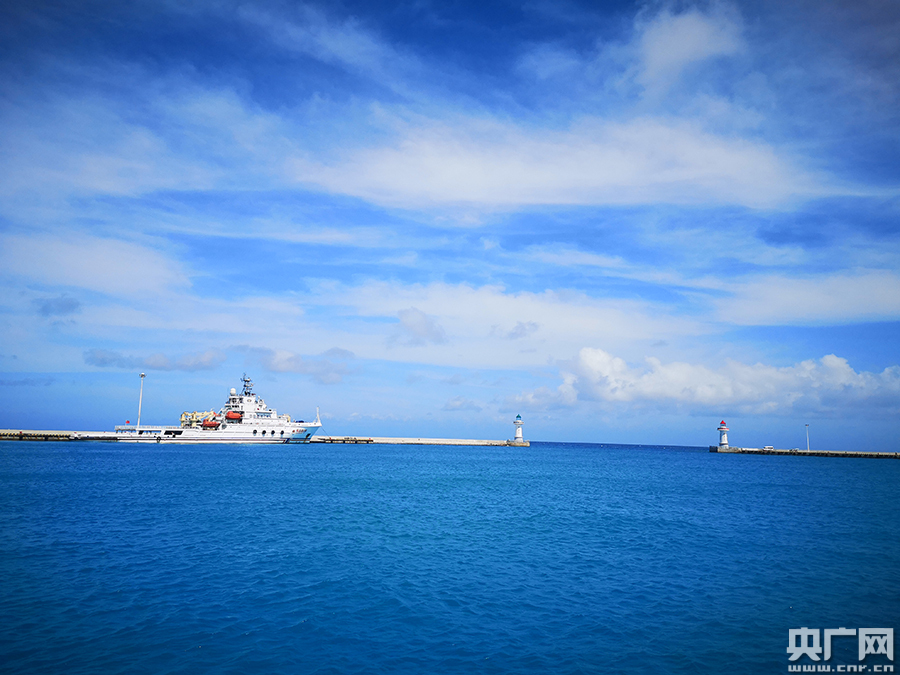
{"x":518,"y":437}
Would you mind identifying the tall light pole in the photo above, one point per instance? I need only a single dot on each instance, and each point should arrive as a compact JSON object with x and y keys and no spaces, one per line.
{"x":141,"y":400}
{"x":807,"y":438}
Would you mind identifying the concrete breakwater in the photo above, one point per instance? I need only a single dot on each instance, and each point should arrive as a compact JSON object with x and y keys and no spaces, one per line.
{"x":811,"y":453}
{"x":55,"y":435}
{"x":414,"y":441}
{"x":45,"y":435}
{"x":34,"y":435}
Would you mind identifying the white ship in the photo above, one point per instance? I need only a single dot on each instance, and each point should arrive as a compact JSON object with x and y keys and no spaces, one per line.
{"x":245,"y":418}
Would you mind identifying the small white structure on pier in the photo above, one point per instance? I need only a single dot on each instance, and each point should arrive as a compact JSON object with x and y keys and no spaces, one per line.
{"x":518,"y":422}
{"x":723,"y":436}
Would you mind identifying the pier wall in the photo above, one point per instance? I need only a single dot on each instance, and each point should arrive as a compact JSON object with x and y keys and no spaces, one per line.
{"x":389,"y":440}
{"x":38,"y":435}
{"x":34,"y":435}
{"x":810,"y":453}
{"x":51,"y":435}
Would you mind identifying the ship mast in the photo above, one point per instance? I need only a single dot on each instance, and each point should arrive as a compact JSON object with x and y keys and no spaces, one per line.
{"x":140,"y":401}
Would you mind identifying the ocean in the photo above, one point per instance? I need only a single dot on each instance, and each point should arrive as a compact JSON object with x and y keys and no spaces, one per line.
{"x":557,"y":558}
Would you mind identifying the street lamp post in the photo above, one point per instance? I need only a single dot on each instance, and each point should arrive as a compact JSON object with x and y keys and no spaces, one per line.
{"x":807,"y":438}
{"x":141,"y":401}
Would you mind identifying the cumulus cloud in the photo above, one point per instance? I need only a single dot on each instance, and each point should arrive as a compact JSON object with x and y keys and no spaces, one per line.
{"x":826,"y":384}
{"x":104,"y":358}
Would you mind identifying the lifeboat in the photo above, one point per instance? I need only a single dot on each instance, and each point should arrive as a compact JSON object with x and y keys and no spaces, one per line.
{"x":233,"y":415}
{"x":211,"y":423}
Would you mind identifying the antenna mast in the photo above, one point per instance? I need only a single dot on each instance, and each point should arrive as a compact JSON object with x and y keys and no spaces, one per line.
{"x":140,"y":401}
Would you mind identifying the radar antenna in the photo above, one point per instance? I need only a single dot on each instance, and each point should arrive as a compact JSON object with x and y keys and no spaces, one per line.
{"x":248,"y":386}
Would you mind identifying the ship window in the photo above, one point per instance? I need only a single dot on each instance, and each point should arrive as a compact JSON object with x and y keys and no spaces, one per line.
{"x":264,"y":432}
{"x":254,"y":432}
{"x":282,"y":432}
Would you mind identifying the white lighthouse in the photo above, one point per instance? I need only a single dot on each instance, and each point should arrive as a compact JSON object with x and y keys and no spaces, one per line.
{"x":518,"y":422}
{"x":723,"y":436}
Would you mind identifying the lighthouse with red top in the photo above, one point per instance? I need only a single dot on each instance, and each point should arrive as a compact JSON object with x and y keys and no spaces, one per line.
{"x":723,"y":436}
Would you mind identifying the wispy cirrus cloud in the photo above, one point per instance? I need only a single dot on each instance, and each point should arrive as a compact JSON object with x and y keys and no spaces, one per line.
{"x":459,"y":403}
{"x":108,"y":265}
{"x":329,"y":367}
{"x":860,"y":295}
{"x":105,"y":358}
{"x":472,"y":325}
{"x":344,"y":42}
{"x":670,"y":42}
{"x":522,"y":329}
{"x":88,"y":144}
{"x":417,"y":328}
{"x":595,"y":161}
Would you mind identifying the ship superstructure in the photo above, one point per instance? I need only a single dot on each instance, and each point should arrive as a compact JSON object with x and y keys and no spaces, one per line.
{"x":245,"y":418}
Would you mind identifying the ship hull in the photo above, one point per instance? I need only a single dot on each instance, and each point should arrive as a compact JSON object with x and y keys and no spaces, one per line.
{"x":229,"y":435}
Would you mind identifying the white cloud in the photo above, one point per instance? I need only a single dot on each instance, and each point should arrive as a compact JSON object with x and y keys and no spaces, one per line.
{"x":190,"y":136}
{"x":104,"y":358}
{"x":749,"y":294}
{"x":420,"y":328}
{"x":828,"y":384}
{"x":869,"y":295}
{"x":86,"y":144}
{"x":459,"y":403}
{"x":488,"y":163}
{"x":522,"y":329}
{"x":110,"y":266}
{"x":568,"y":257}
{"x":328,"y":368}
{"x":477,"y":322}
{"x":313,"y":34}
{"x":345,"y":43}
{"x":141,"y":133}
{"x":671,"y":42}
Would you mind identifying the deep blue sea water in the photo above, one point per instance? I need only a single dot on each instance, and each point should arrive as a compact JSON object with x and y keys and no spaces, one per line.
{"x":558,"y":558}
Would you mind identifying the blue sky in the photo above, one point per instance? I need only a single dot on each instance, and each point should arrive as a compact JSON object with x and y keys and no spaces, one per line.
{"x":625,"y":221}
